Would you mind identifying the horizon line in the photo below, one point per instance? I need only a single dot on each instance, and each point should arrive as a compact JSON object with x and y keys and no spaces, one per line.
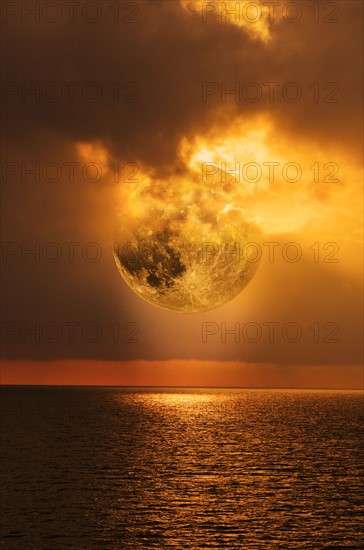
{"x":174,"y":386}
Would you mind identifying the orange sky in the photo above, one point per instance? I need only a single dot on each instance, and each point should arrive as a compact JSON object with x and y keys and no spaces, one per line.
{"x":169,"y":134}
{"x":181,"y":373}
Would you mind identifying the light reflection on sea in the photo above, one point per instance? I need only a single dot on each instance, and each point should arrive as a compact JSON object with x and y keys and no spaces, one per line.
{"x":181,"y":468}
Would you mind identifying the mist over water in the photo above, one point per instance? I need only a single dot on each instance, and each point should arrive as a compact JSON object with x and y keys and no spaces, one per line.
{"x":167,"y":468}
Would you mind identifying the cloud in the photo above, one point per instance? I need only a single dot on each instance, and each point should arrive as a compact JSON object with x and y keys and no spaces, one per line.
{"x":168,"y":54}
{"x":162,"y":61}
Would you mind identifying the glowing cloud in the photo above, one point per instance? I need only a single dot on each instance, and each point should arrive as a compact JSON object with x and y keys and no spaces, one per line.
{"x":253,"y":17}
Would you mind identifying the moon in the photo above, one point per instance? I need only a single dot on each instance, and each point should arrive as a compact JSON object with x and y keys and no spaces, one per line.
{"x":184,"y":247}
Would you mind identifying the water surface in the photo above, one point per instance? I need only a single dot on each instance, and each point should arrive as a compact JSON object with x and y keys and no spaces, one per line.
{"x":134,"y":468}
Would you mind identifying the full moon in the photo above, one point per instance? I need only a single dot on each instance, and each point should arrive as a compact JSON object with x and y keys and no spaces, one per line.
{"x":184,"y":247}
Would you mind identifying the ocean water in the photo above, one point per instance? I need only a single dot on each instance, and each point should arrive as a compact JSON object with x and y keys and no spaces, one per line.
{"x":122,"y":468}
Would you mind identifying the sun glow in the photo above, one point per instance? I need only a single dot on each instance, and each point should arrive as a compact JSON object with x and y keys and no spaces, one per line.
{"x":240,"y":173}
{"x":279,"y":183}
{"x":244,"y":167}
{"x":93,"y":152}
{"x":253,"y":17}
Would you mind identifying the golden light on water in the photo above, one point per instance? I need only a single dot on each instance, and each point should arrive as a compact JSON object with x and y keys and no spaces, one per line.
{"x":178,"y":401}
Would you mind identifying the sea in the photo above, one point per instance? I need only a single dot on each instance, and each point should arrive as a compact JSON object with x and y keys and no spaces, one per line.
{"x":185,"y":468}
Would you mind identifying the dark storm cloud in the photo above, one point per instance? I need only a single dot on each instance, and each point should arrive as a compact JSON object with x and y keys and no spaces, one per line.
{"x":168,"y":53}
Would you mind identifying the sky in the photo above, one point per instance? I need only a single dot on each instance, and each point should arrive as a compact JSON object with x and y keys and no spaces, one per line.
{"x":101,"y":98}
